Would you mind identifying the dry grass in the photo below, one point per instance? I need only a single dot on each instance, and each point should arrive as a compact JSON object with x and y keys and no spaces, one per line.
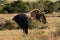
{"x":34,"y":34}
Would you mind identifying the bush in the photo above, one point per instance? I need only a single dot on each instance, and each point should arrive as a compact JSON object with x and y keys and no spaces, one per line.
{"x":17,"y":7}
{"x":20,"y":6}
{"x":49,"y":7}
{"x":57,"y":6}
{"x":36,"y":24}
{"x":10,"y":25}
{"x":2,"y":26}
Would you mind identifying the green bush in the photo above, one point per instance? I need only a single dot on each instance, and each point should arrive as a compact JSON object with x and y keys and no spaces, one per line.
{"x":20,"y":6}
{"x":10,"y":25}
{"x":36,"y":24}
{"x":2,"y":26}
{"x":48,"y":6}
{"x":57,"y":6}
{"x":17,"y":7}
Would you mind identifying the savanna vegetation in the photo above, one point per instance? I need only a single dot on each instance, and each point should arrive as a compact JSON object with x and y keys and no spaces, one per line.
{"x":9,"y":30}
{"x":20,"y":6}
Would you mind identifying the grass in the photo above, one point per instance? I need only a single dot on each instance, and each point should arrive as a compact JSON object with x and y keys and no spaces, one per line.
{"x":48,"y":33}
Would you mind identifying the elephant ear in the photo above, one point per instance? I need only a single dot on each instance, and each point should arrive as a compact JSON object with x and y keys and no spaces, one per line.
{"x":42,"y":18}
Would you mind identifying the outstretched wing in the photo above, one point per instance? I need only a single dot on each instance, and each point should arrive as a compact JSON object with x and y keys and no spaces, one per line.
{"x":42,"y":18}
{"x":38,"y":15}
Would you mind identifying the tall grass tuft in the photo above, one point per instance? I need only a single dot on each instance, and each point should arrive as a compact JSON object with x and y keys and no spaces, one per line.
{"x":11,"y":25}
{"x":36,"y":24}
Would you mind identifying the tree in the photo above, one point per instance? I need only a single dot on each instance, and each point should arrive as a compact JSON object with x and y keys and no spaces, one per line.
{"x":2,"y":4}
{"x":48,"y":6}
{"x":57,"y":6}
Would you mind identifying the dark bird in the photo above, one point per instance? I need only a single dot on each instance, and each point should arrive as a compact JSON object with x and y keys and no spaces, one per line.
{"x":22,"y":21}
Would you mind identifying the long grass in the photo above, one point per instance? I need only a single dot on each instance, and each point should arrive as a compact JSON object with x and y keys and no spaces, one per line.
{"x":50,"y":33}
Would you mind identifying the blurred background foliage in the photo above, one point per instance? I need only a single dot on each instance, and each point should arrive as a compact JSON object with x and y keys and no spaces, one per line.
{"x":20,"y":6}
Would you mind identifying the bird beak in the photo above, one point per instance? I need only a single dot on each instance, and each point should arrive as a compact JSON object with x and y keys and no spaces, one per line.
{"x":32,"y":18}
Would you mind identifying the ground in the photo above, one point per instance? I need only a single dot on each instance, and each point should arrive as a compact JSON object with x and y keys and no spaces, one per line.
{"x":52,"y":32}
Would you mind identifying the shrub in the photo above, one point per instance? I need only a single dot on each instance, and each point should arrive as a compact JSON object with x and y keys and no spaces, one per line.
{"x":48,"y":6}
{"x":10,"y":25}
{"x":36,"y":24}
{"x":57,"y":6}
{"x":2,"y":26}
{"x":20,"y":6}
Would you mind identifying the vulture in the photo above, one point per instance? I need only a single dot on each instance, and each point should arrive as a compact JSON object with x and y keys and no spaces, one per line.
{"x":22,"y":19}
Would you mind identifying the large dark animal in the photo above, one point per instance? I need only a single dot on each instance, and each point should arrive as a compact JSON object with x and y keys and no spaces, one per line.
{"x":22,"y":19}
